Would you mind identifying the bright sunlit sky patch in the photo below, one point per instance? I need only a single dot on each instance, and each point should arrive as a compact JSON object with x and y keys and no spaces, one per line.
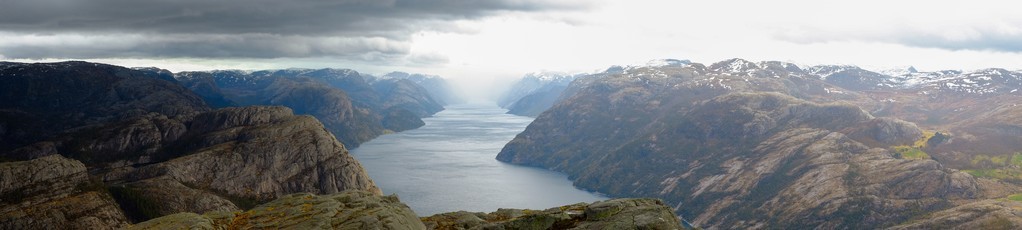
{"x":486,"y":41}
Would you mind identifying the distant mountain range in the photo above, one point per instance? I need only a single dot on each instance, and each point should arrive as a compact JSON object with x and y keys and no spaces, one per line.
{"x":535,"y":92}
{"x":353,"y":106}
{"x":740,"y":144}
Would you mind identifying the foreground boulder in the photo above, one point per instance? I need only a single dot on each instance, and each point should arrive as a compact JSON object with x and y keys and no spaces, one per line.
{"x":363,"y":210}
{"x":610,"y":214}
{"x":346,"y":210}
{"x":54,"y":192}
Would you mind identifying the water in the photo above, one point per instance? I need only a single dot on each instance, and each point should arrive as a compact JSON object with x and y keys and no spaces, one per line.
{"x":448,"y":165}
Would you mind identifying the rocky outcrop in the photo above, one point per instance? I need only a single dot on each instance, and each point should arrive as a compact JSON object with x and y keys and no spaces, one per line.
{"x":54,"y":192}
{"x":262,"y":153}
{"x":347,"y":210}
{"x":610,"y":214}
{"x":986,"y":214}
{"x":238,"y":156}
{"x":362,"y":210}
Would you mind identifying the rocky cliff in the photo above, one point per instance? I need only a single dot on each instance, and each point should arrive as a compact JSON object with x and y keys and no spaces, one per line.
{"x":361,"y":210}
{"x":153,"y":147}
{"x":55,"y":192}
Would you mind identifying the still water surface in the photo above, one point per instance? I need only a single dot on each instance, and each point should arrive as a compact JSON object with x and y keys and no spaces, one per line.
{"x":448,"y":165}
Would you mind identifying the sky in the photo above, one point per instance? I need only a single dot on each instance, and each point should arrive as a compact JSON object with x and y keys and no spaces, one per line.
{"x":488,"y":42}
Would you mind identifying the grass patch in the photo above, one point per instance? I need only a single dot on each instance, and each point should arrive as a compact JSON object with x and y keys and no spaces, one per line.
{"x":1015,"y":197}
{"x":998,"y":173}
{"x":921,"y":143}
{"x":915,"y":151}
{"x":910,"y":152}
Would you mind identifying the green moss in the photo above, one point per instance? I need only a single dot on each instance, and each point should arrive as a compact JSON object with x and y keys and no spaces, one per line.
{"x":1015,"y":197}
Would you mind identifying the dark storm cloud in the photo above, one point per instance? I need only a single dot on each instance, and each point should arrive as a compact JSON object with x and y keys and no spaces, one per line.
{"x":232,"y":28}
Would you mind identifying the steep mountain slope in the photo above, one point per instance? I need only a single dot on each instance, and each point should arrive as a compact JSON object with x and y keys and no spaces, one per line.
{"x":156,"y":147}
{"x":740,"y":144}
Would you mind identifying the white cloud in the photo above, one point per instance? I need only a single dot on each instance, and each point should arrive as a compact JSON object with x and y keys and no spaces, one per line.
{"x":871,"y":33}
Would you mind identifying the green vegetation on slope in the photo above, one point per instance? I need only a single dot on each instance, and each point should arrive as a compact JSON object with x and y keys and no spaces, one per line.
{"x":997,"y":167}
{"x":915,"y":151}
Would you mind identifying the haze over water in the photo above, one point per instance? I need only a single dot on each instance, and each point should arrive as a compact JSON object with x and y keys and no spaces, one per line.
{"x":448,"y":165}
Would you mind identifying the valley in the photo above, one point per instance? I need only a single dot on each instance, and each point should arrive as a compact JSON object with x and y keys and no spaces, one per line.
{"x":448,"y":165}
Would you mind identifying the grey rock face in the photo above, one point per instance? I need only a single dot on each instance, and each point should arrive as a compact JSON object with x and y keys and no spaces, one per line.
{"x":54,"y":192}
{"x":249,"y":154}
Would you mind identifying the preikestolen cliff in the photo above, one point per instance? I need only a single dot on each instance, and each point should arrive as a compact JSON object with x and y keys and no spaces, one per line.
{"x":510,"y":114}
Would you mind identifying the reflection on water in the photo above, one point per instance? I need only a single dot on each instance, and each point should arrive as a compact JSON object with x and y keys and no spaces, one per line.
{"x":448,"y":165}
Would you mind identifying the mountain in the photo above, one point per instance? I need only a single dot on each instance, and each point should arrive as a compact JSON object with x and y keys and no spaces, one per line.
{"x":351,"y":106}
{"x":39,"y":101}
{"x":741,"y":144}
{"x":438,"y":87}
{"x":535,"y":92}
{"x":405,"y":94}
{"x":96,"y":145}
{"x":361,"y":210}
